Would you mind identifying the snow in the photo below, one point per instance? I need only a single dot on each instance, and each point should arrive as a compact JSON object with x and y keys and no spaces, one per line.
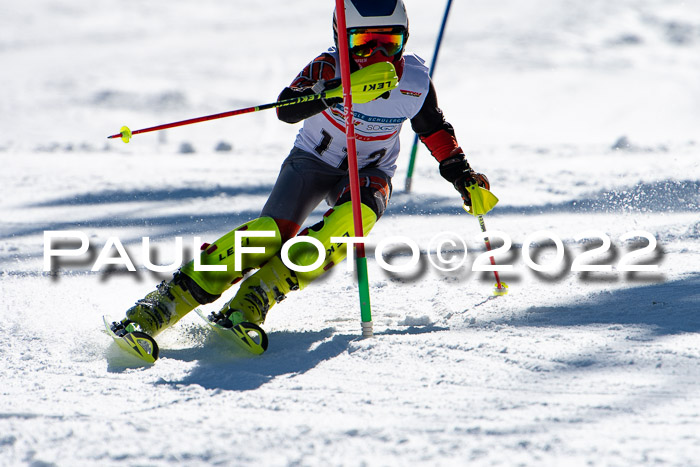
{"x":574,"y":368}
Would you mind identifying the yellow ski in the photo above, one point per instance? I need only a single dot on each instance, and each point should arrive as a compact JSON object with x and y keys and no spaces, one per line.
{"x":136,"y":343}
{"x":248,"y":336}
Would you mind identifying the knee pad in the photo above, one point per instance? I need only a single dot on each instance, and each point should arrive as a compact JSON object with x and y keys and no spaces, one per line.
{"x":337,"y":222}
{"x":222,"y":253}
{"x":375,"y":192}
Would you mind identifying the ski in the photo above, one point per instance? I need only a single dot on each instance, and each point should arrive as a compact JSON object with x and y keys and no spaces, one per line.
{"x":248,"y":336}
{"x":135,"y":343}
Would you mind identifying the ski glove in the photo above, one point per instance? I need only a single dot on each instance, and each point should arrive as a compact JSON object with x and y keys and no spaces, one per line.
{"x":298,"y":112}
{"x":327,"y":85}
{"x":332,"y":84}
{"x":456,"y":170}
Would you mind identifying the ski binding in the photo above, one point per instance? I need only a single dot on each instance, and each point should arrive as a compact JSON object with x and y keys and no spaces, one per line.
{"x":248,"y":336}
{"x":136,"y":343}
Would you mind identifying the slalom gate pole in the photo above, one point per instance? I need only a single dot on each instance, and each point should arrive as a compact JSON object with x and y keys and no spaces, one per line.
{"x":361,"y":260}
{"x":414,"y":149}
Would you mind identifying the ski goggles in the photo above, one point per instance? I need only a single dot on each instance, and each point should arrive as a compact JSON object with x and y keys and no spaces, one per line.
{"x":364,"y":42}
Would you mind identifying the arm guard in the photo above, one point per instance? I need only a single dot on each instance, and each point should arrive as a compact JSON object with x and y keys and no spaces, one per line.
{"x":311,"y":80}
{"x":298,"y":112}
{"x":432,"y":129}
{"x":439,"y":137}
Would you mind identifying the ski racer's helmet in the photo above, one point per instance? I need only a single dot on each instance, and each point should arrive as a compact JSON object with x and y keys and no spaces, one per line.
{"x":377,"y":30}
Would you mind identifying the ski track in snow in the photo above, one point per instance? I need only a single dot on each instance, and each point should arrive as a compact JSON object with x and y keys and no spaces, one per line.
{"x":584,"y":116}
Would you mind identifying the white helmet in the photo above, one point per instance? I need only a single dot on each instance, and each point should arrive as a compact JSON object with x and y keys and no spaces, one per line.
{"x":369,"y":13}
{"x":372,"y":14}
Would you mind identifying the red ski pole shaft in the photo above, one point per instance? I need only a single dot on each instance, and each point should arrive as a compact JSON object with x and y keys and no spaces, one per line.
{"x":190,"y":121}
{"x":482,"y":224}
{"x":231,"y":113}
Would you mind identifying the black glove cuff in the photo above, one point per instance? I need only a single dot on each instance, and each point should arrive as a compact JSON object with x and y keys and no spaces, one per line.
{"x":332,"y":84}
{"x":455,"y":168}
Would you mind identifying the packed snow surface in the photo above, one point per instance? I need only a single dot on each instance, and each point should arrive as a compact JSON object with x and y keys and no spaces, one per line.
{"x":585,"y":115}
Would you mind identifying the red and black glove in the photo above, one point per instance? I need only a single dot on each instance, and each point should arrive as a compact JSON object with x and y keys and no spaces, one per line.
{"x":456,"y":170}
{"x":303,"y":110}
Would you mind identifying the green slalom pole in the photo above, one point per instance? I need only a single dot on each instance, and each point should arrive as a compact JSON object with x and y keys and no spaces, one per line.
{"x":414,"y":150}
{"x":361,"y":260}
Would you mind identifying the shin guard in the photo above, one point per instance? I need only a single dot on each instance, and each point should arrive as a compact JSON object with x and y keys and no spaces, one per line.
{"x":259,"y":292}
{"x":337,"y":222}
{"x":222,"y":253}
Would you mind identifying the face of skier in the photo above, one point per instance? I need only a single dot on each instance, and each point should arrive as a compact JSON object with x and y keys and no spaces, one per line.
{"x":379,"y":44}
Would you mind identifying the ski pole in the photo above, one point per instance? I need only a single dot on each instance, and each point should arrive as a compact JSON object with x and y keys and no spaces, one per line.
{"x":125,"y":134}
{"x":367,"y":83}
{"x":482,"y":202}
{"x":414,"y":149}
{"x":501,"y":287}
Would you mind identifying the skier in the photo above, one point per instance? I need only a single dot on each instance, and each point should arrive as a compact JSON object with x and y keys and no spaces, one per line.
{"x":316,"y":169}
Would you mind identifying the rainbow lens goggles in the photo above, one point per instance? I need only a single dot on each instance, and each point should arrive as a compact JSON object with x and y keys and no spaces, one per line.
{"x":365,"y":42}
